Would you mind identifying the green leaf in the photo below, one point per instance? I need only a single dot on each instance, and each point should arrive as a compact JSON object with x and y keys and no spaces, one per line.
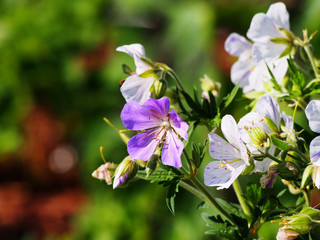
{"x":126,"y":69}
{"x":157,"y":176}
{"x":171,"y":195}
{"x":148,"y":73}
{"x":273,"y":80}
{"x":225,"y":102}
{"x":280,"y":144}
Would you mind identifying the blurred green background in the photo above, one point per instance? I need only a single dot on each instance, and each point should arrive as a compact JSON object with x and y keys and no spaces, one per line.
{"x":59,"y":76}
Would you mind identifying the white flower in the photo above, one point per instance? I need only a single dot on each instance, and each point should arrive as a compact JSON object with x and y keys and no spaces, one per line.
{"x":251,"y":75}
{"x":265,"y":28}
{"x":267,"y":106}
{"x":313,"y":115}
{"x":136,"y":88}
{"x":232,"y":155}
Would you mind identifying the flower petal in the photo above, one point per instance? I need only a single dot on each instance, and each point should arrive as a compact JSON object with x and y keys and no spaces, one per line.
{"x":267,"y":106}
{"x":240,"y":72}
{"x":137,"y":117}
{"x":237,"y":45}
{"x":222,"y":176}
{"x":250,"y":120}
{"x":315,"y":151}
{"x":279,"y":14}
{"x":158,"y":107}
{"x":142,"y":146}
{"x":313,"y":114}
{"x":221,"y":150}
{"x":267,"y":51}
{"x":136,"y":51}
{"x":172,"y":149}
{"x":288,"y":121}
{"x":136,"y":88}
{"x":316,"y":177}
{"x":178,"y":125}
{"x":230,"y":130}
{"x":263,"y":28}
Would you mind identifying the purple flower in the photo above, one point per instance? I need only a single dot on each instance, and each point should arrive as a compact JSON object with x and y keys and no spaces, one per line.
{"x":159,"y":125}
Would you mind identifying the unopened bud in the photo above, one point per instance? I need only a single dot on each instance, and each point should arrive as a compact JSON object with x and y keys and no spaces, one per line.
{"x":208,"y":85}
{"x":286,"y":234}
{"x":273,"y":127}
{"x":105,"y":172}
{"x":160,"y":88}
{"x":152,"y":164}
{"x":125,"y":171}
{"x":306,"y":176}
{"x":300,"y":223}
{"x":311,"y":212}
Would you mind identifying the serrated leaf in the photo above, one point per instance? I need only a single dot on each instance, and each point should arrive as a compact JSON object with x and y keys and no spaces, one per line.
{"x":280,"y":144}
{"x":225,"y":102}
{"x":173,"y":189}
{"x":157,"y":176}
{"x":190,"y":101}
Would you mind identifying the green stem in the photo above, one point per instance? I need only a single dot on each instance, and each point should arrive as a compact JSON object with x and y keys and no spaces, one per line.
{"x":176,"y":78}
{"x":272,"y":157}
{"x":242,"y":201}
{"x":295,"y":110}
{"x":307,"y":197}
{"x":312,"y":60}
{"x":188,"y":161}
{"x":302,"y":156}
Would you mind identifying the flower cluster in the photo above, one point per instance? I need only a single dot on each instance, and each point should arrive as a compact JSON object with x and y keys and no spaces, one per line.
{"x":266,"y":141}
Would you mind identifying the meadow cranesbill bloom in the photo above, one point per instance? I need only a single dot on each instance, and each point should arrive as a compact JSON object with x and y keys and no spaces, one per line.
{"x":251,"y":76}
{"x":135,"y":87}
{"x":269,"y":32}
{"x":232,"y":155}
{"x":159,"y":126}
{"x":249,"y":124}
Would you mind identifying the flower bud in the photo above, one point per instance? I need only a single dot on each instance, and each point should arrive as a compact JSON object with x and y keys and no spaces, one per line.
{"x":105,"y":172}
{"x":306,"y":176}
{"x":125,"y":171}
{"x":268,"y":180}
{"x":207,"y":85}
{"x":285,"y":234}
{"x":273,"y":127}
{"x":152,"y":164}
{"x":258,"y":137}
{"x":160,"y":88}
{"x":300,"y":223}
{"x":311,"y":212}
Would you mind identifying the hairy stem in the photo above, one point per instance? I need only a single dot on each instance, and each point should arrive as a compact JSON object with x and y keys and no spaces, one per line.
{"x":242,"y":201}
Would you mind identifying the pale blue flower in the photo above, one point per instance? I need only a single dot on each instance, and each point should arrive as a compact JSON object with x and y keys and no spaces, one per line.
{"x":232,"y":156}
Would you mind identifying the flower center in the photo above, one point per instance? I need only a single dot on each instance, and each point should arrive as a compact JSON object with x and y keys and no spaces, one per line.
{"x":166,"y":124}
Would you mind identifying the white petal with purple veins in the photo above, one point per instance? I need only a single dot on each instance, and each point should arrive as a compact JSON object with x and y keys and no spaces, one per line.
{"x":221,"y":149}
{"x":269,"y":107}
{"x":237,"y":45}
{"x":313,"y":114}
{"x":222,"y":176}
{"x":240,"y":72}
{"x":315,"y":151}
{"x":136,"y":88}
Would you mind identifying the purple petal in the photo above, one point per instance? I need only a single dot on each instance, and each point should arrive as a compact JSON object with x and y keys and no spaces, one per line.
{"x":119,"y":180}
{"x":313,"y":114}
{"x":268,"y":106}
{"x":136,"y":88}
{"x":178,"y":125}
{"x":315,"y":151}
{"x":172,"y":149}
{"x":221,"y":150}
{"x":142,"y":146}
{"x":217,"y":174}
{"x":158,"y":107}
{"x":138,"y":117}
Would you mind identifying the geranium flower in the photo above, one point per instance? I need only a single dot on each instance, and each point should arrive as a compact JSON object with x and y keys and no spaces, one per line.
{"x":135,"y":87}
{"x":232,"y":155}
{"x":251,"y":75}
{"x":267,"y":32}
{"x":159,"y":125}
{"x":267,"y":106}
